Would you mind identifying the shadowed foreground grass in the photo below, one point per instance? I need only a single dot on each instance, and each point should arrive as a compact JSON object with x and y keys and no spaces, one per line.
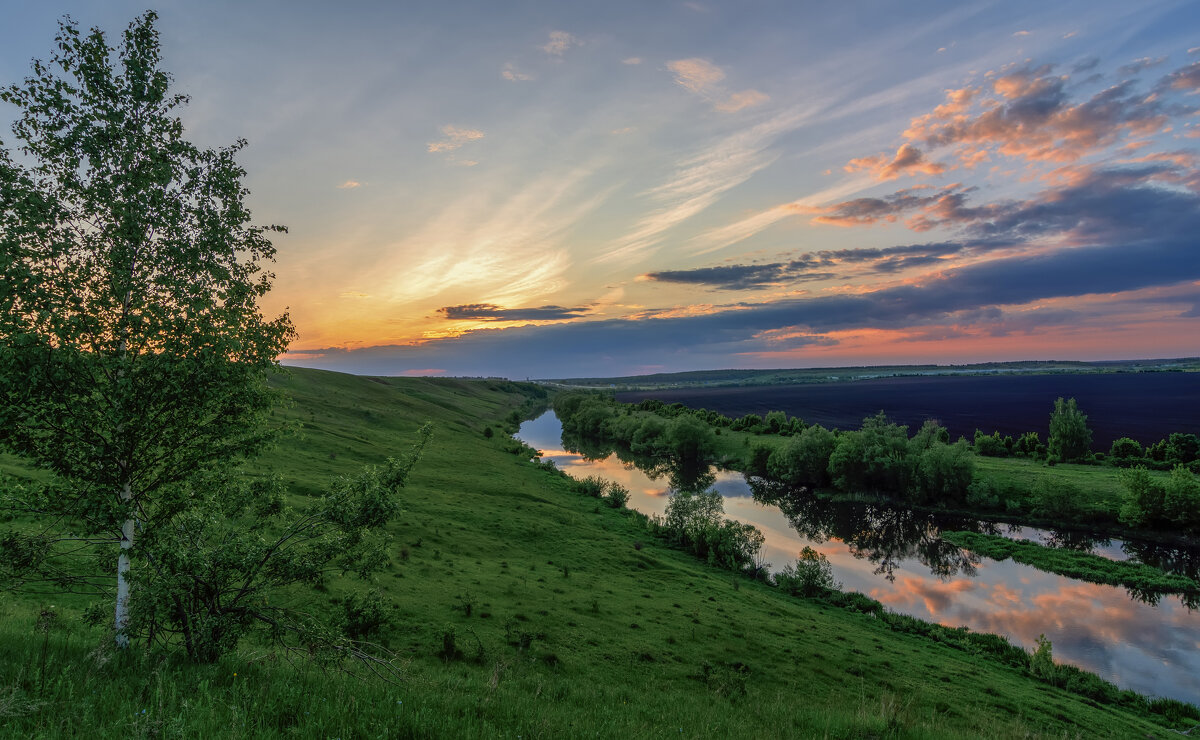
{"x":520,"y":609}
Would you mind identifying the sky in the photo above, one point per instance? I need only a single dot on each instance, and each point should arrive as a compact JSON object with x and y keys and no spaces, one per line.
{"x":549,"y":189}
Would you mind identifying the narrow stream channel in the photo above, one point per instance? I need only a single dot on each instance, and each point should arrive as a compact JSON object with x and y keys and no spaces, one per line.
{"x":896,"y":556}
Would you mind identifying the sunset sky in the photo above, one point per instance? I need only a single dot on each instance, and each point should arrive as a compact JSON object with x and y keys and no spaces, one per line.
{"x":552,"y":189}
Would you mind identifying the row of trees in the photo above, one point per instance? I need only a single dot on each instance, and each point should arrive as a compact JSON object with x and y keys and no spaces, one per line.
{"x":878,"y":457}
{"x":683,"y":436}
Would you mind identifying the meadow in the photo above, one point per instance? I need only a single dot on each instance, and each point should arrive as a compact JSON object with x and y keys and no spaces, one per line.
{"x":519,"y":608}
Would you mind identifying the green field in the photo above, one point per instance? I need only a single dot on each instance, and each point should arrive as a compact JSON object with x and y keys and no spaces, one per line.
{"x":520,"y":609}
{"x":715,"y":378}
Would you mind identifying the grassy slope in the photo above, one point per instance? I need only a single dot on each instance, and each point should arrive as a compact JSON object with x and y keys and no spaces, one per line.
{"x":619,"y":636}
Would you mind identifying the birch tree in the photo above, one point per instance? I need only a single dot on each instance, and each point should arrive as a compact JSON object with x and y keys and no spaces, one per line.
{"x":134,"y":354}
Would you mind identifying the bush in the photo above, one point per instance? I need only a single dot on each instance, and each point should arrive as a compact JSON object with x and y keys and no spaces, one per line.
{"x":1125,"y":448}
{"x":690,"y":439}
{"x":593,"y":486}
{"x":990,"y":445}
{"x":1029,"y":444}
{"x":810,"y":575}
{"x":616,"y":495}
{"x":804,"y":460}
{"x":1145,"y":498}
{"x":875,"y":458}
{"x":1041,"y":661}
{"x":758,"y":459}
{"x":364,"y":616}
{"x":944,"y":473}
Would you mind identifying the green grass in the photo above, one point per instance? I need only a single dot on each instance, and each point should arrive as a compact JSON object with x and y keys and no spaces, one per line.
{"x":581,"y":624}
{"x":1074,"y":564}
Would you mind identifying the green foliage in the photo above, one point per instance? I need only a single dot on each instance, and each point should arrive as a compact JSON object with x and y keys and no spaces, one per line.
{"x":810,"y":575}
{"x":930,"y":433}
{"x":875,"y":458}
{"x":747,"y":423}
{"x":1070,"y":437}
{"x":616,"y":495}
{"x":690,"y":439}
{"x":592,"y":485}
{"x":133,"y":354}
{"x":1029,"y":444}
{"x":990,"y":445}
{"x":804,"y":459}
{"x":695,"y":521}
{"x":1185,"y":448}
{"x":1041,"y":661}
{"x":943,"y":473}
{"x":758,"y":459}
{"x":1154,"y":502}
{"x":689,"y":513}
{"x":775,"y":422}
{"x":1124,"y":448}
{"x":647,"y":436}
{"x":365,"y":615}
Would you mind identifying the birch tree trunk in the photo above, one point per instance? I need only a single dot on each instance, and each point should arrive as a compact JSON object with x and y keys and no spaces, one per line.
{"x":122,"y":612}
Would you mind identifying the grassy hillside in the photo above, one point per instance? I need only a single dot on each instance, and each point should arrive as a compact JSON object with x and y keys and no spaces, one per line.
{"x":520,"y":609}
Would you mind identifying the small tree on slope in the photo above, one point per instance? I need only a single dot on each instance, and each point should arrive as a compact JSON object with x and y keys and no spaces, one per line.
{"x":133,"y":355}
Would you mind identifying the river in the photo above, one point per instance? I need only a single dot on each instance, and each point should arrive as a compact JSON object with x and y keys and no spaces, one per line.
{"x":896,"y":556}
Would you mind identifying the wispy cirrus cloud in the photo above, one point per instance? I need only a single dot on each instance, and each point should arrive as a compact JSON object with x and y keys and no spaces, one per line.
{"x":350,"y":185}
{"x":700,"y":180}
{"x":497,"y":244}
{"x":703,"y":78}
{"x":453,"y":137}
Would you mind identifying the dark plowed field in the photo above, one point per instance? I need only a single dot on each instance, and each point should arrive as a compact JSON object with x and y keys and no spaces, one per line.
{"x":1144,"y":406}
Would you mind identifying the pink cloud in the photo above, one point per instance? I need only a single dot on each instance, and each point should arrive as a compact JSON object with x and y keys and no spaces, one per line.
{"x":907,"y":160}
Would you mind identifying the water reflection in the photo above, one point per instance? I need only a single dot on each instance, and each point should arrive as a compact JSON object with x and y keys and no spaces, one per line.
{"x":882,"y":535}
{"x":897,"y":557}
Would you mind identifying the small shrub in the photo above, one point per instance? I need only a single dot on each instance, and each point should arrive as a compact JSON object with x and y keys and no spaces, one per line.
{"x":466,"y":602}
{"x":810,"y":575}
{"x":364,"y":616}
{"x":593,"y":486}
{"x":616,"y":495}
{"x":1041,"y":661}
{"x":449,"y":650}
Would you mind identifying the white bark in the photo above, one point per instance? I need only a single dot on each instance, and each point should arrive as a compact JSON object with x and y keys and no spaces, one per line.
{"x":122,"y":613}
